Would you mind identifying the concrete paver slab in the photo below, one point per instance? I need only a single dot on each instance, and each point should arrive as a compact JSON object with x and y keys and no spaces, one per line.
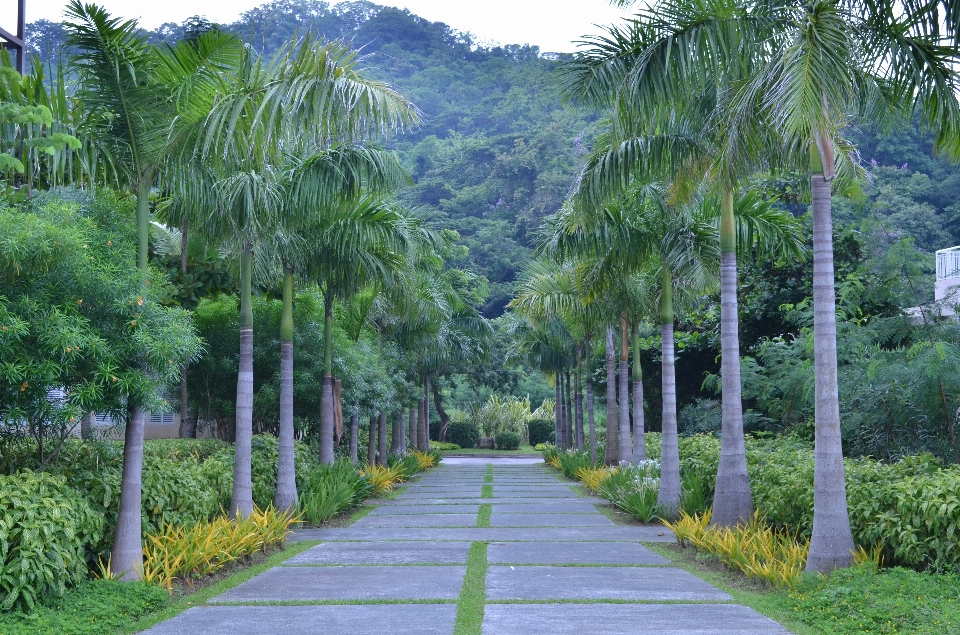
{"x":597,"y":583}
{"x":349,"y":583}
{"x":545,"y":507}
{"x":627,"y":619}
{"x":430,"y":619}
{"x":493,"y":534}
{"x":624,"y":553}
{"x":596,"y":519}
{"x":383,"y":553}
{"x":394,"y":510}
{"x":423,"y":520}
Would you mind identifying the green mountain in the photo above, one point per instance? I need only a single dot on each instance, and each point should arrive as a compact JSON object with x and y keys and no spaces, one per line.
{"x":498,"y":149}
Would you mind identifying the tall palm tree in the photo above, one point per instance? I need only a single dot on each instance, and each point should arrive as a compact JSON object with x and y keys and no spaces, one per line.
{"x":675,"y":248}
{"x":812,"y":65}
{"x":142,"y":104}
{"x":666,"y":124}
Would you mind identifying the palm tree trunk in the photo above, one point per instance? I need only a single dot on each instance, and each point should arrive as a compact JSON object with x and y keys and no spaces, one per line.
{"x":561,"y":413}
{"x":397,"y":437}
{"x":426,"y":413}
{"x":669,"y":494}
{"x":438,"y":404}
{"x":412,"y":424}
{"x":624,"y":391}
{"x":578,"y":409}
{"x":593,"y":430}
{"x":127,"y":547}
{"x":421,"y":430}
{"x":558,"y":412}
{"x":326,"y":389}
{"x":372,"y":442}
{"x":639,"y":441}
{"x":733,"y":500}
{"x":188,"y":422}
{"x":241,"y":503}
{"x":126,"y":557}
{"x":354,"y":433}
{"x":382,"y":439}
{"x":285,"y":497}
{"x":568,"y":409}
{"x":831,"y":544}
{"x":612,"y":455}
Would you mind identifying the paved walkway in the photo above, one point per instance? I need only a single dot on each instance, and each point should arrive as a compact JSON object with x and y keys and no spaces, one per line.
{"x":543,"y":558}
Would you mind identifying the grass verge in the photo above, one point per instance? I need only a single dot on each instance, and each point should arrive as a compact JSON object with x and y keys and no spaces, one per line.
{"x":473,"y":595}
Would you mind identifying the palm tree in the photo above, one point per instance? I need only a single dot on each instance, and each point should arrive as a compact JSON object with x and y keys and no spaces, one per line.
{"x":811,"y":65}
{"x":665,"y":124}
{"x":674,"y":249}
{"x":142,"y":104}
{"x":364,"y":243}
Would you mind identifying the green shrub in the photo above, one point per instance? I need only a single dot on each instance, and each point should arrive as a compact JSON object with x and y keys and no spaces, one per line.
{"x":406,"y":465}
{"x":463,"y":434}
{"x":45,"y":527}
{"x":541,"y":431}
{"x":330,"y":489}
{"x":506,"y":440}
{"x":573,"y":460}
{"x":443,"y":445}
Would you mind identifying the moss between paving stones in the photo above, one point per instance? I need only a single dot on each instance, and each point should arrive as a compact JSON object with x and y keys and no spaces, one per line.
{"x":473,"y":594}
{"x":483,"y":515}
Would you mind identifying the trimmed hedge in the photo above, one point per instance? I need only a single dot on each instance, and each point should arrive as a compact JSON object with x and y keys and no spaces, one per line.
{"x":506,"y":440}
{"x":463,"y":434}
{"x":541,"y":431}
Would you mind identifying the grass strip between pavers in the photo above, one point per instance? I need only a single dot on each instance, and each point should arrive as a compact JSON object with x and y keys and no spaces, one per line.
{"x":486,"y":491}
{"x":473,"y":594}
{"x":201,"y":597}
{"x":489,"y":476}
{"x":483,"y":515}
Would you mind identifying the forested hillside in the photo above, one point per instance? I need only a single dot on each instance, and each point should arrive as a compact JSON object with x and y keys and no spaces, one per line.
{"x":497,"y":150}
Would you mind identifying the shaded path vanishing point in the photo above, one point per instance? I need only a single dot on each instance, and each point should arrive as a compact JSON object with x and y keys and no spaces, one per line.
{"x":497,"y":547}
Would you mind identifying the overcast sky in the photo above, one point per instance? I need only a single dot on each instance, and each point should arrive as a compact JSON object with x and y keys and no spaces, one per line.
{"x":550,"y":24}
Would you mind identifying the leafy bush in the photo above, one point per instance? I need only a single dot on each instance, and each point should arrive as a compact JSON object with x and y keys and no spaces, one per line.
{"x":193,"y":552}
{"x":497,"y":415}
{"x":634,"y":488}
{"x":571,"y":461}
{"x":541,"y":431}
{"x":405,"y":465}
{"x":382,"y":479}
{"x":330,"y":489}
{"x":506,"y":440}
{"x":759,"y":551}
{"x":463,"y":434}
{"x":443,"y":445}
{"x":45,"y":527}
{"x":429,"y":459}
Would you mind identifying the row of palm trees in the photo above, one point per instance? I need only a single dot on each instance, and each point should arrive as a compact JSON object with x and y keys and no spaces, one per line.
{"x":272,"y":160}
{"x":707,"y":99}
